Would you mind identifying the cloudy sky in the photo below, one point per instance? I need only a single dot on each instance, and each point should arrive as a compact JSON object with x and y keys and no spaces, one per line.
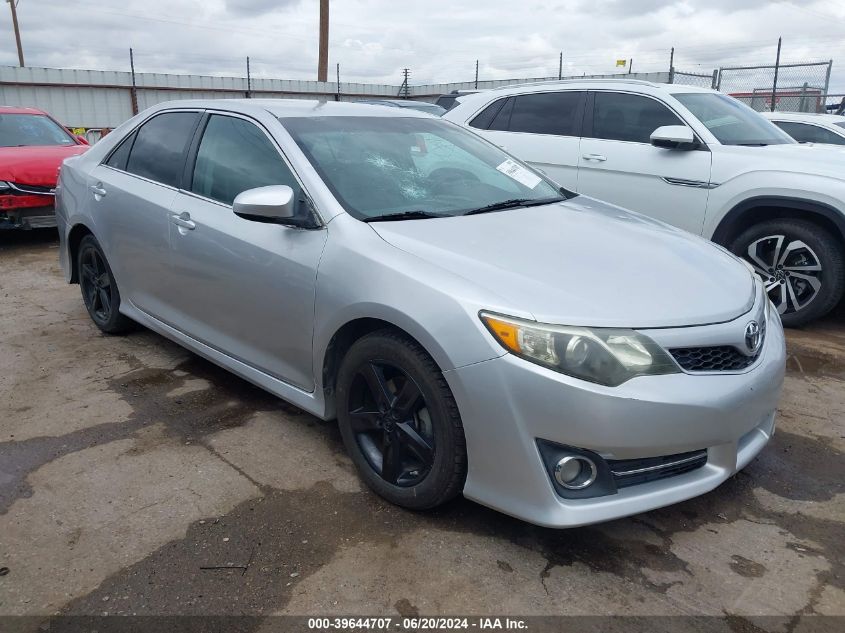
{"x":439,"y":41}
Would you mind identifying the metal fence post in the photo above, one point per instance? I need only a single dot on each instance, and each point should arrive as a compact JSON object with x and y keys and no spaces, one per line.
{"x":775,"y":83}
{"x":717,"y":79}
{"x":826,"y":85}
{"x":248,"y":80}
{"x":672,"y":66}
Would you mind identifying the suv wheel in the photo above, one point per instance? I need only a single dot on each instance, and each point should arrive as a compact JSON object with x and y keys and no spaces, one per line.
{"x":801,"y":265}
{"x":400,"y":422}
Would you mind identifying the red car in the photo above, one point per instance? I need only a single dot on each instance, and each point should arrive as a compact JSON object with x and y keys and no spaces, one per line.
{"x":32,"y":148}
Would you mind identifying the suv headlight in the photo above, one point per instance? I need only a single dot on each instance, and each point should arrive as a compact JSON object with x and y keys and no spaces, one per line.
{"x":4,"y":186}
{"x":607,"y":356}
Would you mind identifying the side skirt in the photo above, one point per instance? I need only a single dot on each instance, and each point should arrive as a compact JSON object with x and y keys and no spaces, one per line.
{"x":309,"y":402}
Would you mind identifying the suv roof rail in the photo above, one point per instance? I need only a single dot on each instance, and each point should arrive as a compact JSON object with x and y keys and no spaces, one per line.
{"x":640,"y":82}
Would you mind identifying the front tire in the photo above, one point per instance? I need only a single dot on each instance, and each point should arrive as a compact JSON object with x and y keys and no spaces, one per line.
{"x":801,"y":265}
{"x":99,"y":288}
{"x":399,"y":421}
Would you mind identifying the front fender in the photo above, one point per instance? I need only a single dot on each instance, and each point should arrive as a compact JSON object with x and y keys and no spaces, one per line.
{"x":808,"y":192}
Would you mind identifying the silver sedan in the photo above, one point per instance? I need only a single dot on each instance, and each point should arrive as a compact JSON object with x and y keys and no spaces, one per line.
{"x":475,"y":328}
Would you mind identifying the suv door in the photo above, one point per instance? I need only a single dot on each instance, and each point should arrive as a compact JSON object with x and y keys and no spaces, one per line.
{"x":131,"y":193}
{"x":243,"y":287}
{"x":619,"y":164}
{"x":541,"y":128}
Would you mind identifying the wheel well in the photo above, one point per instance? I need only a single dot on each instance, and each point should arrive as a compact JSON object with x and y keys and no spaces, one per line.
{"x":74,"y":238}
{"x":750,"y":213}
{"x":344,"y":338}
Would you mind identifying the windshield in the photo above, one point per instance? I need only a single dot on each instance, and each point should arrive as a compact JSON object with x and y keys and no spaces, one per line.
{"x":732,"y":122}
{"x":415,"y":166}
{"x":18,"y":130}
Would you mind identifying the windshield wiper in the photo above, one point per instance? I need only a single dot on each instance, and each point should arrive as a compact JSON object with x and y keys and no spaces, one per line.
{"x":753,"y":144}
{"x":513,"y":203}
{"x":404,"y":215}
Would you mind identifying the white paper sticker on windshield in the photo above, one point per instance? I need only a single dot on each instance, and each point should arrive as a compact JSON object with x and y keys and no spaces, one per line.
{"x":519,"y":173}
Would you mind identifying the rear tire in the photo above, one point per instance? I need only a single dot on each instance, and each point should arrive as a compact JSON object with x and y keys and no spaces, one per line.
{"x":801,"y":265}
{"x":99,"y":288}
{"x":400,"y":422}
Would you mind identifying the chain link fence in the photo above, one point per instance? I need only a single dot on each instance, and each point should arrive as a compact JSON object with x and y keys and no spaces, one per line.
{"x":799,"y":87}
{"x":700,"y":80}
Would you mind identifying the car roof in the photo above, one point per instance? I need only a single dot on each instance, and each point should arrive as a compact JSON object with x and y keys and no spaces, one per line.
{"x":18,"y":110}
{"x":402,"y":103}
{"x":592,"y":84}
{"x":284,"y":108}
{"x":628,"y":85}
{"x":804,"y":116}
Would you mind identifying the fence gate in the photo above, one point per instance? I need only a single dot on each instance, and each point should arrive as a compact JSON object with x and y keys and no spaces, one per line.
{"x":800,"y":87}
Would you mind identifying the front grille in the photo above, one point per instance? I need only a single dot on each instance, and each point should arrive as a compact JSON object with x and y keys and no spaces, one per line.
{"x":38,"y":190}
{"x":719,"y":358}
{"x":630,"y":472}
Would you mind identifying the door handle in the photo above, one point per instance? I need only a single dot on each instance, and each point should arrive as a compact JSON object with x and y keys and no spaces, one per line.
{"x":599,"y":158}
{"x":98,"y":190}
{"x":184,"y":221}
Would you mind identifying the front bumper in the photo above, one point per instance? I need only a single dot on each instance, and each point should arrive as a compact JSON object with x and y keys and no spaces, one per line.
{"x":507,"y":404}
{"x":29,"y":217}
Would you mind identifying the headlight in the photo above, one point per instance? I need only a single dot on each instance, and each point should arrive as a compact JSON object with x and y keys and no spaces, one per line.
{"x":4,"y":185}
{"x":607,"y":356}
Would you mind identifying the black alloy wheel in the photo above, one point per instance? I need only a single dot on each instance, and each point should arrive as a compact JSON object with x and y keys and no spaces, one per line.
{"x":99,"y":289}
{"x":399,"y":421}
{"x":391,"y":423}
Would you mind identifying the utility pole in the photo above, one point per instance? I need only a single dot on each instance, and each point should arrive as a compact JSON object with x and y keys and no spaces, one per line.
{"x":672,"y":66}
{"x":13,"y":4}
{"x":560,"y":66}
{"x":476,"y":74}
{"x":133,"y":93}
{"x":404,"y":89}
{"x":775,"y":84}
{"x":323,"y":60}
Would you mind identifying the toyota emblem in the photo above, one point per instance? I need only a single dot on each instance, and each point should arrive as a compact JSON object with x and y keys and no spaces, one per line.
{"x":752,"y":337}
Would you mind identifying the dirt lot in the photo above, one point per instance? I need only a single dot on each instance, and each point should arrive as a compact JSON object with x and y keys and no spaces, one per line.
{"x":136,"y":478}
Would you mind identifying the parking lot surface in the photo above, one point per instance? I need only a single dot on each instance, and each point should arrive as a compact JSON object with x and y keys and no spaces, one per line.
{"x":137,"y":478}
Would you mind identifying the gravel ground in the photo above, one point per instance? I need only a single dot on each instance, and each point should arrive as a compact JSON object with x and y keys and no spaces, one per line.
{"x":137,"y":478}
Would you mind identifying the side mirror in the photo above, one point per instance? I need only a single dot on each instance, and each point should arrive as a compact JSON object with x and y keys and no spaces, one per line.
{"x":674,"y":137}
{"x":275,"y":203}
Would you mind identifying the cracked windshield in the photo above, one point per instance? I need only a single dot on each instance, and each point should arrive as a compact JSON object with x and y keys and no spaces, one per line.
{"x":413,"y":167}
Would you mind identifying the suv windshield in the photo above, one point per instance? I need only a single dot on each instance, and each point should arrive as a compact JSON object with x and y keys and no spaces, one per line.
{"x":732,"y":122}
{"x":19,"y":130}
{"x":413,"y":167}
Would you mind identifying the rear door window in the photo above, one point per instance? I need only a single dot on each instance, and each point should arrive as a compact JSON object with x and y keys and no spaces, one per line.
{"x":160,"y":147}
{"x":557,"y":113}
{"x":626,"y":117}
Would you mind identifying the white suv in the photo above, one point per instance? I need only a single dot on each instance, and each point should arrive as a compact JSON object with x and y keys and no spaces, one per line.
{"x":694,"y":158}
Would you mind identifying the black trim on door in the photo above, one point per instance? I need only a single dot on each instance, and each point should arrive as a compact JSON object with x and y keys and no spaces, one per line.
{"x":193,"y":148}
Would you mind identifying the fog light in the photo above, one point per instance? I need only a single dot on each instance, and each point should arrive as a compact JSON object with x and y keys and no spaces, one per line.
{"x":575,"y":472}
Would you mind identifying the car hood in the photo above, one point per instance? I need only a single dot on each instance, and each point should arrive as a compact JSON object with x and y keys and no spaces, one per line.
{"x":35,"y":165}
{"x":584,"y":262}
